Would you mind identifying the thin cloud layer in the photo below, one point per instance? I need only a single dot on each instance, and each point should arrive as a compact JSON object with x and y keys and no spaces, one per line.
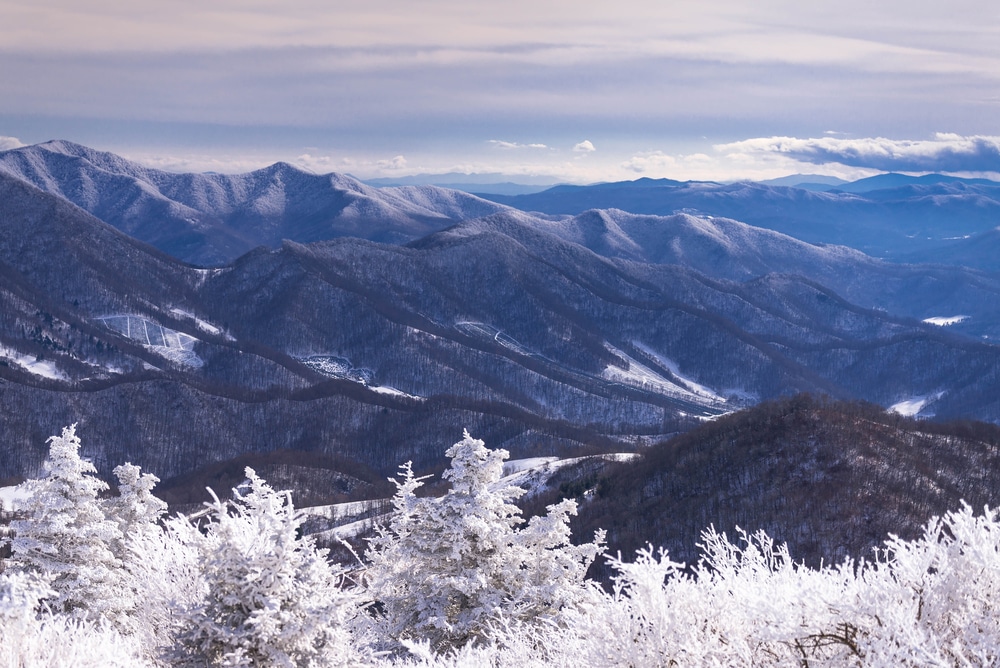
{"x":944,"y":153}
{"x":513,"y":145}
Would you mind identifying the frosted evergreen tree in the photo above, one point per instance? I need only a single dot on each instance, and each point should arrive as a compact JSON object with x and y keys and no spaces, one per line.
{"x":447,"y":568}
{"x":64,"y":533}
{"x":135,"y":509}
{"x":32,"y":635}
{"x":271,"y":598}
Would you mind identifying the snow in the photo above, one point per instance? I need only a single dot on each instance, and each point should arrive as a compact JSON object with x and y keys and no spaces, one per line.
{"x":201,"y":324}
{"x":10,"y":497}
{"x":941,"y":321}
{"x":642,"y":376}
{"x":914,"y":405}
{"x":675,"y":369}
{"x":175,"y":346}
{"x":385,"y":389}
{"x":43,"y":368}
{"x":513,"y":466}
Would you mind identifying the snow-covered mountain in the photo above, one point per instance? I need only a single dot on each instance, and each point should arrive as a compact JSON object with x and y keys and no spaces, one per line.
{"x":539,"y":334}
{"x":884,"y":217}
{"x":213,"y":218}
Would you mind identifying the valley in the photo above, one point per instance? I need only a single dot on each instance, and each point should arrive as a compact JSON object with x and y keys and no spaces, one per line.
{"x":191,"y":322}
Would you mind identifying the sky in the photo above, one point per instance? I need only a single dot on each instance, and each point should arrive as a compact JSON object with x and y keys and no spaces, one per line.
{"x":543,"y":91}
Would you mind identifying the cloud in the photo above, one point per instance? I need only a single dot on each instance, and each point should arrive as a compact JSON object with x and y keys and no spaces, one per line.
{"x":7,"y":143}
{"x":653,"y":161}
{"x":398,"y":162}
{"x":512,"y":145}
{"x":944,"y":153}
{"x":584,"y":147}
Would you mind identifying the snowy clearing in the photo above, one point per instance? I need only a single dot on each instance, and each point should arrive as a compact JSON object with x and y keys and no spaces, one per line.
{"x":173,"y":345}
{"x":675,"y":369}
{"x":913,"y":406}
{"x":201,"y":324}
{"x":512,"y":466}
{"x":640,"y":375}
{"x":385,"y":389}
{"x":31,"y":364}
{"x":942,"y":321}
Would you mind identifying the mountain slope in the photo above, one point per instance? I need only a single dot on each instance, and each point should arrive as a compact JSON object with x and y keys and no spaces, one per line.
{"x":214,"y":218}
{"x":885,"y":223}
{"x":731,"y":250}
{"x":608,"y":330}
{"x":830,"y":479}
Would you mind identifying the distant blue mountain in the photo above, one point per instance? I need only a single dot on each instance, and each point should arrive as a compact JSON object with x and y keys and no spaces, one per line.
{"x":891,"y":217}
{"x":806,"y":181}
{"x":492,"y":183}
{"x":893,"y":180}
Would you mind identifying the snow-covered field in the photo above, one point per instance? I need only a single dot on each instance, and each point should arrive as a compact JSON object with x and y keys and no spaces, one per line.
{"x":43,"y":368}
{"x":640,"y":375}
{"x":913,"y":406}
{"x":175,"y":346}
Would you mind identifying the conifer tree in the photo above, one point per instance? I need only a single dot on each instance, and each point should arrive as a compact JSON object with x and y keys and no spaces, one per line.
{"x":446,"y":568}
{"x":271,"y":598}
{"x":64,"y":533}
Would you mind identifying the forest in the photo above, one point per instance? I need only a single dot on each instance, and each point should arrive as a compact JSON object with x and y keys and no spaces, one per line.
{"x":462,"y":579}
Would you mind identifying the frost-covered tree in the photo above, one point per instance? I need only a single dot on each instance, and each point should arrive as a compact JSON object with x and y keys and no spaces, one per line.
{"x":32,"y":635}
{"x":135,"y":509}
{"x":269,"y":596}
{"x":63,"y":532}
{"x":447,"y":568}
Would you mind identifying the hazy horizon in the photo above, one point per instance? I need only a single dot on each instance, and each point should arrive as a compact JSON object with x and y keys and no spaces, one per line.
{"x":579,"y":93}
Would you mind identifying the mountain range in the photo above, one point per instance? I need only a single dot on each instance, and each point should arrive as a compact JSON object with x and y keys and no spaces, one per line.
{"x":188,"y":320}
{"x":892,"y":216}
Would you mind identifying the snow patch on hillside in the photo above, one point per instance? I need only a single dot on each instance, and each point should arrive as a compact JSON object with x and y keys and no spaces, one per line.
{"x":175,"y":346}
{"x":31,"y":364}
{"x":640,"y":375}
{"x":941,"y":321}
{"x":693,"y":385}
{"x":199,"y":323}
{"x":913,"y":406}
{"x":385,"y":389}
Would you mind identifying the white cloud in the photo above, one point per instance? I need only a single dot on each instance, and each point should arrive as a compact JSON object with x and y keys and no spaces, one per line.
{"x":651,"y":161}
{"x":512,"y":145}
{"x":944,"y":153}
{"x":393,"y":164}
{"x":584,"y":147}
{"x":7,"y":143}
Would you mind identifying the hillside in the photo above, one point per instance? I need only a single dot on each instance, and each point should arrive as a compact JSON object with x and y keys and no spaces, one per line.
{"x":211,"y":219}
{"x":831,"y":479}
{"x":888,"y":218}
{"x":601,"y":332}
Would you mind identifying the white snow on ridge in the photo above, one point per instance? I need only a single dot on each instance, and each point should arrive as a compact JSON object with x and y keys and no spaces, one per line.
{"x":512,"y":466}
{"x":941,"y":321}
{"x":43,"y":368}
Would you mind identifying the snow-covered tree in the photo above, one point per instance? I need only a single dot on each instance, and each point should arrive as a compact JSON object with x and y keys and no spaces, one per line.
{"x":447,"y":568}
{"x":32,"y":635}
{"x":63,"y":532}
{"x":270,"y":597}
{"x":135,"y":509}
